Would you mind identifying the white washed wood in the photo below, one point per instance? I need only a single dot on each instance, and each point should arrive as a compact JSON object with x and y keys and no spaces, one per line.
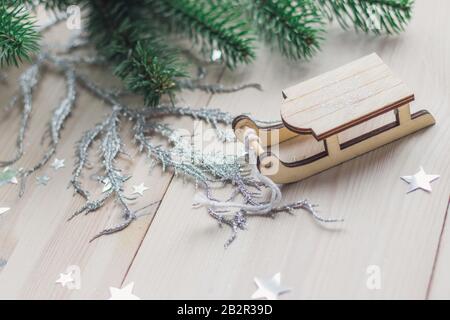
{"x":182,"y":255}
{"x":35,"y":238}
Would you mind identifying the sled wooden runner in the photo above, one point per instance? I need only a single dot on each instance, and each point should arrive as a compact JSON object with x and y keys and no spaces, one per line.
{"x":329,"y":104}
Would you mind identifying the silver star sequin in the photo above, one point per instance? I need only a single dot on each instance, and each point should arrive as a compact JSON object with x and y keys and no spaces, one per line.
{"x":216,"y":55}
{"x":420,"y":180}
{"x":139,"y":189}
{"x":106,"y":185}
{"x":123,"y":294}
{"x":43,"y":180}
{"x":269,"y":289}
{"x":58,"y":164}
{"x":8,"y":176}
{"x":65,"y":278}
{"x":4,"y":210}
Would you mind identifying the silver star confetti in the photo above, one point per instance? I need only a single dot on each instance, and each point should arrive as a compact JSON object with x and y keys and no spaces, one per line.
{"x":8,"y":176}
{"x":65,"y":278}
{"x":139,"y":189}
{"x":58,"y":164}
{"x":216,"y":55}
{"x":43,"y":180}
{"x":71,"y":279}
{"x":420,"y":180}
{"x":106,"y":185}
{"x":4,"y":210}
{"x":269,"y":288}
{"x":124,"y":293}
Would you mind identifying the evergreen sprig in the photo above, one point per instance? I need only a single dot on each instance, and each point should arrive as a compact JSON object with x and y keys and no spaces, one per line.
{"x":123,"y":35}
{"x":18,"y":37}
{"x":212,"y":24}
{"x":377,"y":16}
{"x":295,"y":26}
{"x":132,"y":35}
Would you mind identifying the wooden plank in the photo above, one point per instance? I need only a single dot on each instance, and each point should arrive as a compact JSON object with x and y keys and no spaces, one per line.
{"x":35,"y":239}
{"x":183,"y":257}
{"x":438,"y":287}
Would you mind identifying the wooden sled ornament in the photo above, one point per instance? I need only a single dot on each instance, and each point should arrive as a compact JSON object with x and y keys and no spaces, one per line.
{"x":329,"y":104}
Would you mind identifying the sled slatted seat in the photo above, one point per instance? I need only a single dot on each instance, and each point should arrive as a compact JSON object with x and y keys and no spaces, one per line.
{"x":340,"y":99}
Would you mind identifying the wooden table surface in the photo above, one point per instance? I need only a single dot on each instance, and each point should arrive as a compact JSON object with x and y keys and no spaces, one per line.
{"x":177,"y":251}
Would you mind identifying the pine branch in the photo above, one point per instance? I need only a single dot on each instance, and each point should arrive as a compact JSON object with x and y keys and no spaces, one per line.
{"x":212,"y":24}
{"x":377,"y":16}
{"x":18,"y":38}
{"x":124,"y":37}
{"x":295,"y":26}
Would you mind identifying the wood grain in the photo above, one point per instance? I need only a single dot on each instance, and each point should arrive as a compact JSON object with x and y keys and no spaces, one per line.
{"x":177,"y":252}
{"x":343,"y":98}
{"x":383,"y":225}
{"x":35,"y":238}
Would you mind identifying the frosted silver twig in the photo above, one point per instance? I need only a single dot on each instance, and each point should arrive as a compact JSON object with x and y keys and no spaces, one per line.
{"x":81,"y":157}
{"x":59,"y":117}
{"x":181,"y":155}
{"x":215,"y":88}
{"x":28,"y":80}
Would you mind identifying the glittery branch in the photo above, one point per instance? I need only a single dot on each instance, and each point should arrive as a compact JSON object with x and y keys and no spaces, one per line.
{"x":306,"y":205}
{"x":111,"y":147}
{"x":91,"y":206}
{"x":59,"y":116}
{"x":28,"y":80}
{"x":62,"y":112}
{"x":214,"y":116}
{"x":234,"y":213}
{"x":166,"y":158}
{"x":81,"y":156}
{"x":215,"y":88}
{"x":115,"y":229}
{"x":236,"y":223}
{"x":238,"y":220}
{"x":208,"y":170}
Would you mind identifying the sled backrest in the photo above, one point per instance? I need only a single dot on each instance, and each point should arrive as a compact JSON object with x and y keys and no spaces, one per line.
{"x":342,"y":98}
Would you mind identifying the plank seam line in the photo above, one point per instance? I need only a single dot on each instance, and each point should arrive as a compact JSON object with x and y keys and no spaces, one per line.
{"x":145,"y":233}
{"x":436,"y":256}
{"x":208,"y":101}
